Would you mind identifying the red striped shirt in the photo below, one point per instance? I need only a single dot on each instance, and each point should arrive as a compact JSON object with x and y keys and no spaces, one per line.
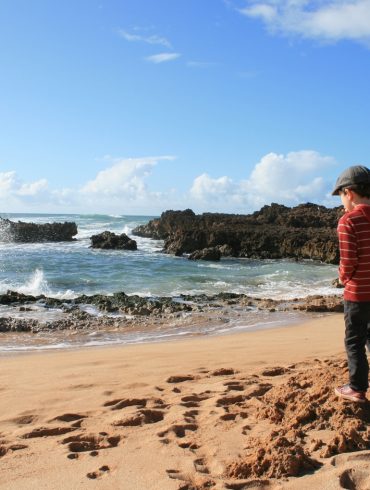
{"x":354,"y":246}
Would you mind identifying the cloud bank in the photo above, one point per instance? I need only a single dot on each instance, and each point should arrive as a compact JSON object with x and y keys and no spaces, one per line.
{"x":123,"y":188}
{"x":331,"y":20}
{"x":288,"y":179}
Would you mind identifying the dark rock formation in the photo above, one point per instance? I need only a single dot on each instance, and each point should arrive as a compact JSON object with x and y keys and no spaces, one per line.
{"x":211,"y":253}
{"x":13,"y":297}
{"x":109,"y":240}
{"x":31,"y":232}
{"x":307,"y":231}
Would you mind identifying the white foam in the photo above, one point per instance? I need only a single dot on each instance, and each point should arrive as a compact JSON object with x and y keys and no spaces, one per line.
{"x":69,"y":294}
{"x":142,"y":294}
{"x":36,"y":285}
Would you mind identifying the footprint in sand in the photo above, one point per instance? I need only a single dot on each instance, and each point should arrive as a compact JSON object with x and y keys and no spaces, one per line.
{"x":24,"y":419}
{"x":259,"y":390}
{"x":180,"y":378}
{"x":68,"y":417}
{"x":84,"y":443}
{"x":13,"y":447}
{"x":103,"y":470}
{"x":223,"y":372}
{"x":196,"y":485}
{"x":190,"y":415}
{"x":175,"y":474}
{"x":76,"y":418}
{"x":230,"y":400}
{"x":200,"y":466}
{"x":140,"y":418}
{"x":234,"y":386}
{"x":275,"y":371}
{"x":354,"y":478}
{"x":47,"y":431}
{"x":179,"y":430}
{"x":228,"y":416}
{"x":192,"y":446}
{"x":120,"y":403}
{"x":158,"y":403}
{"x":193,"y":400}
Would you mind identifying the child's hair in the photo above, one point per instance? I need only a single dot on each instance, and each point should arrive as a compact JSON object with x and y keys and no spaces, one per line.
{"x":363,"y":190}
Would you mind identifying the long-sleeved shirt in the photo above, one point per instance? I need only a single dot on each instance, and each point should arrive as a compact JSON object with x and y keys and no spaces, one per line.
{"x":354,"y":245}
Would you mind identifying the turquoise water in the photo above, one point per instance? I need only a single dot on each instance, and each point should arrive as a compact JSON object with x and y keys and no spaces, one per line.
{"x":66,"y":270}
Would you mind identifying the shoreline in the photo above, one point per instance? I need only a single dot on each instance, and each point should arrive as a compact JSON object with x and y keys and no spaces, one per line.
{"x":300,"y":318}
{"x":100,"y":320}
{"x":177,"y":415}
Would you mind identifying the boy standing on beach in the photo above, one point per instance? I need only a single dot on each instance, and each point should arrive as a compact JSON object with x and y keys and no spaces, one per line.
{"x":353,"y":187}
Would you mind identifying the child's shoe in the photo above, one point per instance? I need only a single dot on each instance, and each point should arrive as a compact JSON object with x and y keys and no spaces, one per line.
{"x":349,"y":394}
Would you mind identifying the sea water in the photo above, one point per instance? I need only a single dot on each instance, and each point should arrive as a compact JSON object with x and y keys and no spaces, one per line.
{"x":69,"y":269}
{"x":66,"y":270}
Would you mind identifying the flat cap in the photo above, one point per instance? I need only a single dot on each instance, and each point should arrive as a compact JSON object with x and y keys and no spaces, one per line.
{"x":352,"y":176}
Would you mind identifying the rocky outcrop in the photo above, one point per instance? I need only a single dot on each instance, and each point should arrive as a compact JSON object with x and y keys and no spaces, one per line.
{"x":108,"y":240}
{"x":307,"y":231}
{"x":211,"y":253}
{"x":20,"y":231}
{"x":148,"y":311}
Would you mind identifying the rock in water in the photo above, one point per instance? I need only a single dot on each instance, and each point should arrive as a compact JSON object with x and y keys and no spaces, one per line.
{"x":110,"y":241}
{"x":307,"y":231}
{"x":20,"y":231}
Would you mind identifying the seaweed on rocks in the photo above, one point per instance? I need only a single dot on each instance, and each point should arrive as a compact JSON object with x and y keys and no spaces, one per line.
{"x":121,"y":305}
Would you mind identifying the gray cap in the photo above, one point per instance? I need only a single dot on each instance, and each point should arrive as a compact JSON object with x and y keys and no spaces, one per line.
{"x":352,"y":176}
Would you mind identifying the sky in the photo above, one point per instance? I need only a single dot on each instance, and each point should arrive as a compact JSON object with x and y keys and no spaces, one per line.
{"x":139,"y":106}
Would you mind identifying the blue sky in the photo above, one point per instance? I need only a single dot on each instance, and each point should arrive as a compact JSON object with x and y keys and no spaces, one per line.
{"x":137,"y":106}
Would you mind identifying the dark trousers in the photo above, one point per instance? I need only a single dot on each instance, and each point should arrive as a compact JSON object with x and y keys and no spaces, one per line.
{"x":357,"y":322}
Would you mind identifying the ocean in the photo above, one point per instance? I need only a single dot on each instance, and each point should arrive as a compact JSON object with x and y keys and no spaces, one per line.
{"x":66,"y":270}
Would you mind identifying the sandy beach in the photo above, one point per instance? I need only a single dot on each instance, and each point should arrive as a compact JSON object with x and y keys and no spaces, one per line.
{"x":239,"y":411}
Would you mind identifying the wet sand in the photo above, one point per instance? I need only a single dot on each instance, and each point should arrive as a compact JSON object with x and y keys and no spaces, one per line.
{"x":239,"y":411}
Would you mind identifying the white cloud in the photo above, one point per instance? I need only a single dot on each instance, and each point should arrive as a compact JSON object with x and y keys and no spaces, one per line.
{"x":11,"y":185}
{"x":123,"y":187}
{"x":124,"y":178}
{"x":162,"y":57}
{"x":33,"y":188}
{"x":330,"y":20}
{"x":7,"y":182}
{"x":288,"y":179}
{"x":265,"y":11}
{"x":153,"y":39}
{"x":205,"y":187}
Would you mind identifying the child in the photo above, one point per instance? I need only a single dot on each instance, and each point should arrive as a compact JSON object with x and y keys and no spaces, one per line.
{"x":353,"y":187}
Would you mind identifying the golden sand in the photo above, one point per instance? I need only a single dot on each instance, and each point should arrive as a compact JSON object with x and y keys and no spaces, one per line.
{"x":237,"y":411}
